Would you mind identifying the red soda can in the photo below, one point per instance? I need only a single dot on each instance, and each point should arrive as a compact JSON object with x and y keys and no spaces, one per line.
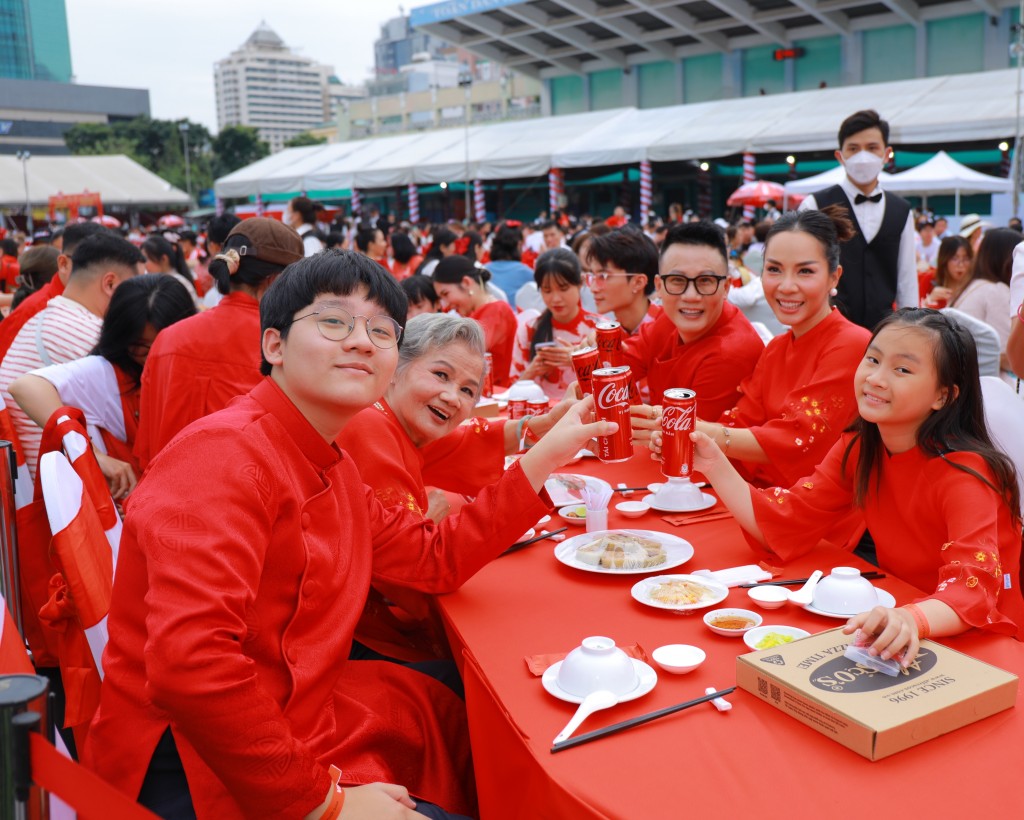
{"x":609,"y":343}
{"x":517,"y":409}
{"x":611,"y":403}
{"x":487,"y":391}
{"x":583,"y":363}
{"x":536,"y":407}
{"x":678,"y":420}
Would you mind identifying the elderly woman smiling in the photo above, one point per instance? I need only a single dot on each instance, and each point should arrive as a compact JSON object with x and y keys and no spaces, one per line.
{"x":413,"y":438}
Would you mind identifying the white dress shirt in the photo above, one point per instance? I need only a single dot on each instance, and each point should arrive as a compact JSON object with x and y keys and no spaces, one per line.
{"x":869,"y":217}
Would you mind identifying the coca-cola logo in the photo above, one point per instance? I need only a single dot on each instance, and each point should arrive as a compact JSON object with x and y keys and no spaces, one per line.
{"x":678,"y":419}
{"x":613,"y":395}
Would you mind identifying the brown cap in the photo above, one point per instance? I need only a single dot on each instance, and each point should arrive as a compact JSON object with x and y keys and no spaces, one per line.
{"x":268,"y":240}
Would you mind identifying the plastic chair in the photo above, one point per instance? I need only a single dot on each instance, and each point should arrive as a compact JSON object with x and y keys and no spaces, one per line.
{"x":1004,"y":417}
{"x":985,"y":339}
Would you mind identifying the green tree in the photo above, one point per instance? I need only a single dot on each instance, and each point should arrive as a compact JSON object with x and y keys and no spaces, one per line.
{"x":303,"y":139}
{"x":235,"y":147}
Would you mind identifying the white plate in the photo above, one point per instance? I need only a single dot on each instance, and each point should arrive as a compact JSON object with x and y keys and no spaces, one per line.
{"x":646,"y":676}
{"x":885,"y":599}
{"x":709,"y":501}
{"x":642,"y":589}
{"x":563,"y":497}
{"x":677,"y":552}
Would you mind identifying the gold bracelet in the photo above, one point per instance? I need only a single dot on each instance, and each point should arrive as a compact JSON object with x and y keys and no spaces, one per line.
{"x":725,"y":436}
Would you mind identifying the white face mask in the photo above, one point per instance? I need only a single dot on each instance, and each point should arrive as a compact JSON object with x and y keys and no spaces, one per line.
{"x":863,"y":167}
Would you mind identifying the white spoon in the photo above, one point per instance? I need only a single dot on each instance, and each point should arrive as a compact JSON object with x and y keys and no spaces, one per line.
{"x":805,"y":595}
{"x":595,"y":701}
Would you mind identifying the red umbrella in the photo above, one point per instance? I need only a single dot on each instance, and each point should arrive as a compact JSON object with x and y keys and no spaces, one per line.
{"x":107,"y":221}
{"x":757,"y":193}
{"x":171,"y":221}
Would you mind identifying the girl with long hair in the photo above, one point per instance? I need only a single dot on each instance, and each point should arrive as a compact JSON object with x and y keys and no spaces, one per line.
{"x":443,"y":244}
{"x":544,"y":341}
{"x":166,"y":257}
{"x":941,"y":502}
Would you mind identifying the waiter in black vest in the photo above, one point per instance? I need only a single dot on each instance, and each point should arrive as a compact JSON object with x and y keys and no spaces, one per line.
{"x":879,"y":266}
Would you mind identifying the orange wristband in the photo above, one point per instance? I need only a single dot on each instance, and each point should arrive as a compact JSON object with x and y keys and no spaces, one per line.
{"x":923,"y":629}
{"x":337,"y":800}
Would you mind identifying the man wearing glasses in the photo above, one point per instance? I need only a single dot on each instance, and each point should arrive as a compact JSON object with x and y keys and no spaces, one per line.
{"x":623,"y":265}
{"x":700,"y":340}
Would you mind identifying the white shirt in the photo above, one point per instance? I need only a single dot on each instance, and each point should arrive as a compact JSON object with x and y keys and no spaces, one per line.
{"x":869,"y":217}
{"x":1017,"y":280}
{"x":310,"y":244}
{"x":90,"y":384}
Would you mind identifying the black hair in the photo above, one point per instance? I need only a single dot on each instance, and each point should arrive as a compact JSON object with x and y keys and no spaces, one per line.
{"x":441,"y":236}
{"x":365,"y":235}
{"x":630,"y":249}
{"x":506,"y":242}
{"x":218,"y":228}
{"x":562,"y":265}
{"x":334,"y":239}
{"x":10,"y":247}
{"x":948,"y":248}
{"x":473,"y":241}
{"x":189,"y":236}
{"x":451,"y":269}
{"x":958,"y":426}
{"x":551,"y":224}
{"x":402,"y":247}
{"x":419,"y":288}
{"x":143,"y":300}
{"x":334,"y":272}
{"x":306,"y":208}
{"x":156,"y":246}
{"x":251,"y":271}
{"x":831,"y":226}
{"x":994,"y":260}
{"x":703,"y":233}
{"x":76,"y":232}
{"x":104,"y":249}
{"x":37,"y":266}
{"x":861,"y":121}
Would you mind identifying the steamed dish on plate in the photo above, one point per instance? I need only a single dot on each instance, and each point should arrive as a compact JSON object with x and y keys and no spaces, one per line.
{"x":622,"y":551}
{"x":680,"y":593}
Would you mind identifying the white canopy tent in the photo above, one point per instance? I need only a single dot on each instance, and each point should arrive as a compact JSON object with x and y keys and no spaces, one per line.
{"x":826,"y":179}
{"x":917,"y":110}
{"x":944,"y":175}
{"x":118,"y":179}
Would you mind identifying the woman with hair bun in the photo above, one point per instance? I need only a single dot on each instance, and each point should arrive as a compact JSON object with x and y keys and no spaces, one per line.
{"x":799,"y":398}
{"x":199,"y":365}
{"x":462,"y":286}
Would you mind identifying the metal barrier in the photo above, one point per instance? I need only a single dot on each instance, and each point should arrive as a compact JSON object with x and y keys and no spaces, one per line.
{"x":9,"y":567}
{"x":23,"y":706}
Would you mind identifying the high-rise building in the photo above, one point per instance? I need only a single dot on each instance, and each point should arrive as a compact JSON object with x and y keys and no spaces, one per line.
{"x":34,"y":40}
{"x":265,"y":85}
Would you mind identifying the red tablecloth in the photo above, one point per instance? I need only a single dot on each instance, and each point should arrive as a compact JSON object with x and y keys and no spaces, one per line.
{"x":751,"y":762}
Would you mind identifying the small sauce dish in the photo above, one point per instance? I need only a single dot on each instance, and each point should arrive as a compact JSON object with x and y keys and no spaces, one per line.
{"x":768,"y":596}
{"x":632,"y":509}
{"x":731,"y":622}
{"x":678,"y":658}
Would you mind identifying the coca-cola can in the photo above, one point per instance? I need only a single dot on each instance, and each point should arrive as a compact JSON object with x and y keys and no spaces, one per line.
{"x":609,"y":343}
{"x":583,"y":363}
{"x":678,"y":420}
{"x":517,"y":409}
{"x":487,"y":391}
{"x":611,"y":403}
{"x":536,"y":407}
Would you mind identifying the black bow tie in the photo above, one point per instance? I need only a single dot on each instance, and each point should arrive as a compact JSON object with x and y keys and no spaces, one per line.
{"x":861,"y":198}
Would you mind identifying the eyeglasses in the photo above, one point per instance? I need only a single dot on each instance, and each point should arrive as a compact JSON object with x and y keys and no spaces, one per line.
{"x":337,"y":325}
{"x":603,"y":277}
{"x":706,"y":284}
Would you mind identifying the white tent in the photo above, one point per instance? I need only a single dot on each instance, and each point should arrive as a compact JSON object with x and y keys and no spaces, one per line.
{"x":826,"y":179}
{"x":118,"y":179}
{"x":944,"y":175}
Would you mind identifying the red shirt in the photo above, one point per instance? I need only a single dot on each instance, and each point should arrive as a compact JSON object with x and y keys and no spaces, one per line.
{"x":499,"y":324}
{"x":934,"y":526}
{"x":233,"y":612}
{"x":195,"y":367}
{"x":799,"y":399}
{"x":713,"y":365}
{"x":32,"y":305}
{"x":9,"y":270}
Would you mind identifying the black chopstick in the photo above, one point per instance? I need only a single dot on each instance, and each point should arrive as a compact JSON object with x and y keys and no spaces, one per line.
{"x":519,"y":545}
{"x":871,"y":575}
{"x":630,"y":489}
{"x":628,"y":724}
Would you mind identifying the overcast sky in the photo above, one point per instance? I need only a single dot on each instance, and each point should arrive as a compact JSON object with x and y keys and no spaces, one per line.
{"x":170,"y":48}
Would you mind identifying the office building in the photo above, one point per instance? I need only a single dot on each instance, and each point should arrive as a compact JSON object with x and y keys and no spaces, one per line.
{"x":34,"y":40}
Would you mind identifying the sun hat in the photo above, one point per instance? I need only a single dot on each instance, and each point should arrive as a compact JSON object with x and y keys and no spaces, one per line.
{"x":970,"y":223}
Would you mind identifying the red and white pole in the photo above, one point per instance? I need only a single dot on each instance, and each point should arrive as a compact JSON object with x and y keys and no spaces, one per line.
{"x":414,"y":203}
{"x":646,"y":190}
{"x":555,"y":188}
{"x":479,"y":205}
{"x":749,"y":175}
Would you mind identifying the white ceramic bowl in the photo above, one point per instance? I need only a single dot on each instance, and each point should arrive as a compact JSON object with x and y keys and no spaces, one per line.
{"x":678,"y":658}
{"x":597,"y":664}
{"x":632,"y":509}
{"x":752,"y":637}
{"x":568,"y":515}
{"x":526,"y":389}
{"x":844,"y":592}
{"x":752,"y":617}
{"x":768,"y":596}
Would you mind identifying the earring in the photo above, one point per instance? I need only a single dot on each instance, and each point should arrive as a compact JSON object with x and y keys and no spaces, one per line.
{"x":833,"y":292}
